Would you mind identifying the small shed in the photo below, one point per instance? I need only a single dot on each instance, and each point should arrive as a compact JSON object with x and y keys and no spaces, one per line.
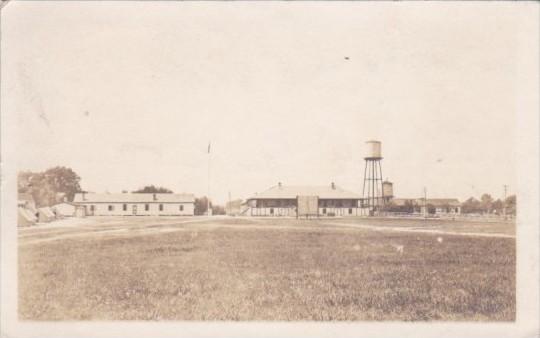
{"x":64,"y":210}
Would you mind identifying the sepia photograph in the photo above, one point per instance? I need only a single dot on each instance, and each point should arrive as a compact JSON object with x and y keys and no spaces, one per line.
{"x":234,"y":167}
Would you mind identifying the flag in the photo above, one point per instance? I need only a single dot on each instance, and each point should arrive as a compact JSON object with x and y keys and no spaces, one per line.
{"x":209,"y":147}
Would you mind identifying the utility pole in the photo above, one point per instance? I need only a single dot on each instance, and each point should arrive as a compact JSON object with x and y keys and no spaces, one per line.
{"x":504,"y":201}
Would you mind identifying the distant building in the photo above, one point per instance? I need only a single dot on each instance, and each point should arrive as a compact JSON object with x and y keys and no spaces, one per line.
{"x":437,"y":206}
{"x":440,"y":206}
{"x":64,"y":209}
{"x":235,"y":207}
{"x":136,"y":204}
{"x":282,"y":200}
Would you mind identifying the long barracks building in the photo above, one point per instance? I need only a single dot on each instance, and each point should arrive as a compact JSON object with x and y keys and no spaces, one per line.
{"x":282,"y":200}
{"x":136,"y":204}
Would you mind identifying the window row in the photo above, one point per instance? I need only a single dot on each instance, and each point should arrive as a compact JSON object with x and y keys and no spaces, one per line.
{"x":111,"y":207}
{"x":350,"y":211}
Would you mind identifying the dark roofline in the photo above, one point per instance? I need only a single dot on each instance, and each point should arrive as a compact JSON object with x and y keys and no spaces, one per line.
{"x":128,"y":202}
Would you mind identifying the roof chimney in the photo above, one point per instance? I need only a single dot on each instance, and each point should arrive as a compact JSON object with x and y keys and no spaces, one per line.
{"x":279,"y":185}
{"x":333,"y":185}
{"x":155,"y":196}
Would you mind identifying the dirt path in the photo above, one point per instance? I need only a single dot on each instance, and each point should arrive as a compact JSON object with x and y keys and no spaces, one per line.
{"x":144,"y":227}
{"x":97,"y":229}
{"x":421,"y":230}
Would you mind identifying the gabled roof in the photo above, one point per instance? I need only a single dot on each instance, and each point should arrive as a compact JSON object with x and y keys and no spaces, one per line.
{"x":46,"y":211}
{"x":292,"y":191}
{"x":133,"y":198}
{"x":441,"y":202}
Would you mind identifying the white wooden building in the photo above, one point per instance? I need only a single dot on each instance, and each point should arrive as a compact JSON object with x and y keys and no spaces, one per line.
{"x":64,"y":209}
{"x":136,"y":204}
{"x":282,"y":200}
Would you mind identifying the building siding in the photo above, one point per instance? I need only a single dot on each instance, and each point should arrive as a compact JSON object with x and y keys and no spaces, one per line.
{"x":169,"y":209}
{"x":291,"y":212}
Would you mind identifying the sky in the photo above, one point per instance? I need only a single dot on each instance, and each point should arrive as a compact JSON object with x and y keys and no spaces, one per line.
{"x":129,"y":94}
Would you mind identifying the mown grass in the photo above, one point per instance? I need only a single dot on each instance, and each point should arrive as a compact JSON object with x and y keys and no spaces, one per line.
{"x":241,"y":273}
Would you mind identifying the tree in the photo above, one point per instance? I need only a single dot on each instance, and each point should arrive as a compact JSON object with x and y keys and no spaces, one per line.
{"x":472,"y":205}
{"x":64,"y":181}
{"x":153,"y":189}
{"x":486,"y":203}
{"x":51,"y":186}
{"x":201,"y":205}
{"x":498,"y":206}
{"x":218,"y":210}
{"x":511,"y":205}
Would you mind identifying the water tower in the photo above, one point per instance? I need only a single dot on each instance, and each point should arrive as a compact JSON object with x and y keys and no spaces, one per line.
{"x":373,"y":189}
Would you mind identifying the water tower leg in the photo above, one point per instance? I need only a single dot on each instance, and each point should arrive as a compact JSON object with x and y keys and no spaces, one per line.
{"x":381,"y":177}
{"x":364,"y":185}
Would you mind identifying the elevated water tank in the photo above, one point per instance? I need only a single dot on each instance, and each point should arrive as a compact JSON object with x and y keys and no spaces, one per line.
{"x":388,"y":189}
{"x":373,"y":150}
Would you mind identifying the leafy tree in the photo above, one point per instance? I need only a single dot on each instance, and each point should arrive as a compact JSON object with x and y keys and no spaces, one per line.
{"x":218,"y":210}
{"x":201,"y":205}
{"x":511,"y":205}
{"x":153,"y":189}
{"x":498,"y":206}
{"x":486,"y":203}
{"x":51,"y":186}
{"x":472,"y":205}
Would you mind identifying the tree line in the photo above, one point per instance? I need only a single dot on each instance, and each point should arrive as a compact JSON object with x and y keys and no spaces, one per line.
{"x":487,"y":205}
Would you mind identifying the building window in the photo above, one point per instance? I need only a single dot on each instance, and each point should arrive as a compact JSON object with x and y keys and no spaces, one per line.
{"x":92,"y":207}
{"x":324,"y":211}
{"x":146,"y":207}
{"x":124,"y":207}
{"x":271,"y":211}
{"x":161,"y":207}
{"x":181,"y":208}
{"x":350,"y":211}
{"x":111,"y":207}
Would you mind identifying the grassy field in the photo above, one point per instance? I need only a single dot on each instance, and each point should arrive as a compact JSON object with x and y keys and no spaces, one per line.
{"x":139,"y":268}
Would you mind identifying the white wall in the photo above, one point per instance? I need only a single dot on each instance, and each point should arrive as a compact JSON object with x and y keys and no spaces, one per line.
{"x":172,"y":209}
{"x":291,"y":212}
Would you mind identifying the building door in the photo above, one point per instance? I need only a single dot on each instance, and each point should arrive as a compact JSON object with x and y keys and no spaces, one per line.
{"x":134,"y":209}
{"x":307,"y":206}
